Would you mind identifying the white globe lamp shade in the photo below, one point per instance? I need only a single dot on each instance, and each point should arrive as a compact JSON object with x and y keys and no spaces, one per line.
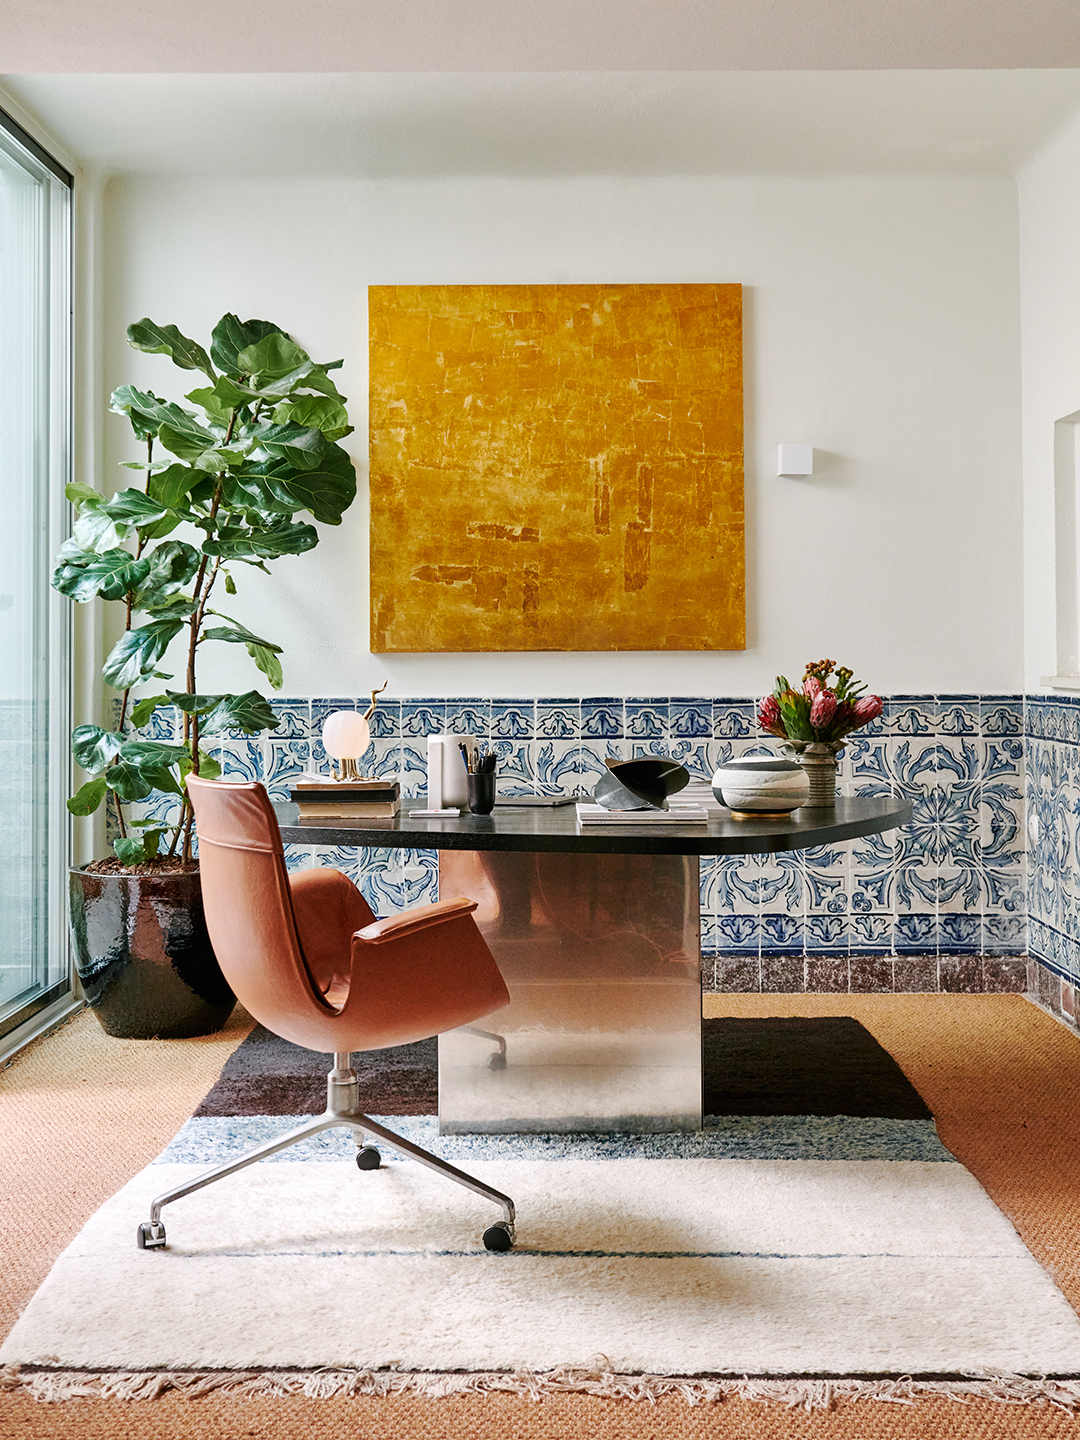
{"x":345,"y":735}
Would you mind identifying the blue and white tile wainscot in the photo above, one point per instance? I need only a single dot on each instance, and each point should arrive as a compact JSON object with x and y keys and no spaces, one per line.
{"x":941,"y":905}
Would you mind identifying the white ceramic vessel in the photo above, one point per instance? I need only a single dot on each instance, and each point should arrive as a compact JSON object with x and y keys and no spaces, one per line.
{"x":761,"y":785}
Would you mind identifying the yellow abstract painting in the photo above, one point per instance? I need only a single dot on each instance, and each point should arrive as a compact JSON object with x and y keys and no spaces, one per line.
{"x":556,"y":467}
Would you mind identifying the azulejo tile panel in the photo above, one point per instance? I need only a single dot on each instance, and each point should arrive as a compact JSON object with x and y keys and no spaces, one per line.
{"x":995,"y":835}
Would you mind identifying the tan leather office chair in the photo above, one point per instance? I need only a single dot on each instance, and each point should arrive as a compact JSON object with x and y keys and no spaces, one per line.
{"x":308,"y":959}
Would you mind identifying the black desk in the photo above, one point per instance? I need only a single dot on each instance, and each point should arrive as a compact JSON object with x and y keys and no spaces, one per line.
{"x":596,"y":930}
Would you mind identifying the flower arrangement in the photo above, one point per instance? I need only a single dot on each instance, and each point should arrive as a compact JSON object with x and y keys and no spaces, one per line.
{"x":818,"y":713}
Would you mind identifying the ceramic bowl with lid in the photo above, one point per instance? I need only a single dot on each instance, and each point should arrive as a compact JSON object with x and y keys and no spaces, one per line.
{"x":761,"y":785}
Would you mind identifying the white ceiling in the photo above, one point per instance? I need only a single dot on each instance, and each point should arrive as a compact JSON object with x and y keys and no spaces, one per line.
{"x":643,"y":123}
{"x":68,"y":36}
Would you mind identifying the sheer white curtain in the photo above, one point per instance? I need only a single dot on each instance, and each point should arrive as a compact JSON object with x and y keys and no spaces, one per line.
{"x":35,"y":205}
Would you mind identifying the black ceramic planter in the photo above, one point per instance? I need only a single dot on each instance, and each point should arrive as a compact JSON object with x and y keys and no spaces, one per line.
{"x":144,"y":957}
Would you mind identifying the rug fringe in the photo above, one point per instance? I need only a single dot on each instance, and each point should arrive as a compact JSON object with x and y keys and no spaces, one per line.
{"x":598,"y":1379}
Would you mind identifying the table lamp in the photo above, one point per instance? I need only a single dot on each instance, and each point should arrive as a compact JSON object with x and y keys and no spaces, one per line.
{"x":345,"y":737}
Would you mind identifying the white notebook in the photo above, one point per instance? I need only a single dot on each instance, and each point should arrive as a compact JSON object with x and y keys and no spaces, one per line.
{"x":676,"y":815}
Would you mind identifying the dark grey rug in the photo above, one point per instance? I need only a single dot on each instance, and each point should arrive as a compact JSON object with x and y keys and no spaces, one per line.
{"x":790,"y":1065}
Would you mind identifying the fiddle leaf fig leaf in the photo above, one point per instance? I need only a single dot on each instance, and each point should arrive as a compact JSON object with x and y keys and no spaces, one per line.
{"x":144,"y":708}
{"x":327,"y":490}
{"x":250,"y":713}
{"x":133,"y":507}
{"x":323,"y":412}
{"x":171,"y":566}
{"x":80,"y":494}
{"x":112,"y":575}
{"x":167,"y":340}
{"x":94,"y":748}
{"x":231,"y":335}
{"x":88,"y":797}
{"x":272,"y":357}
{"x":136,"y":653}
{"x":302,"y":446}
{"x":169,"y":487}
{"x":189,"y":442}
{"x":96,"y":531}
{"x":130,"y":850}
{"x":237,"y":543}
{"x":265,"y":657}
{"x":151,"y":410}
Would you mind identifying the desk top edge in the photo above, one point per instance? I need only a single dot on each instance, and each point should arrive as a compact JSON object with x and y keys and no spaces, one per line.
{"x":559,"y":831}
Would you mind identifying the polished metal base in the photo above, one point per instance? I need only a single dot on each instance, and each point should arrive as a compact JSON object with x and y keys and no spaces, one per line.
{"x":601,"y":956}
{"x":342,"y":1109}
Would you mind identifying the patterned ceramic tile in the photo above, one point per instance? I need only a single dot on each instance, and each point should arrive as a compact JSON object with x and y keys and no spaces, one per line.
{"x":468,"y":717}
{"x":689,"y":719}
{"x":1001,"y":715}
{"x":735,"y":720}
{"x":781,"y":934}
{"x":602,"y":718}
{"x":558,"y":719}
{"x":827,"y":933}
{"x":737,"y":934}
{"x":283,"y":762}
{"x":958,"y":714}
{"x":646,"y":722}
{"x":871,"y":931}
{"x":514,"y":773}
{"x":915,"y":931}
{"x":911,"y":715}
{"x":513,"y":719}
{"x":385,"y":721}
{"x":421,"y":718}
{"x":570,"y":767}
{"x":294,"y":719}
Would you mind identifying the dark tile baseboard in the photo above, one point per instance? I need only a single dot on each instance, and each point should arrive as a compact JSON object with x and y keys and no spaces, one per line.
{"x":871,"y":974}
{"x":1053,"y":993}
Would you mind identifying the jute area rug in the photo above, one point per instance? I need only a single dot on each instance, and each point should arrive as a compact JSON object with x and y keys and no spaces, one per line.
{"x":81,"y":1113}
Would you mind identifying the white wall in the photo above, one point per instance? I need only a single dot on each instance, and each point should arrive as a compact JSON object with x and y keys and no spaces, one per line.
{"x":881,"y":326}
{"x":1049,"y":194}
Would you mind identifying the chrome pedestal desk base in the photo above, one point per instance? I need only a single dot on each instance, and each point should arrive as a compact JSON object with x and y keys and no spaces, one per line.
{"x":601,"y":956}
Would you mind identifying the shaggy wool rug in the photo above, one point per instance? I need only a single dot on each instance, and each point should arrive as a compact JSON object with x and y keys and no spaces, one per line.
{"x":845,"y":1247}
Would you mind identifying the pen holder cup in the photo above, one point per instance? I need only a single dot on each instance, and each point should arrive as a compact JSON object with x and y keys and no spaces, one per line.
{"x":481,"y":793}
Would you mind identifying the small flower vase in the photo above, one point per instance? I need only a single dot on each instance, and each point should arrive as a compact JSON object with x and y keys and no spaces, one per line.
{"x":819,"y":761}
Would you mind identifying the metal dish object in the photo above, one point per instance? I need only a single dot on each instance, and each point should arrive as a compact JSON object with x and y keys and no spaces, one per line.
{"x":761,"y":786}
{"x":641,"y":784}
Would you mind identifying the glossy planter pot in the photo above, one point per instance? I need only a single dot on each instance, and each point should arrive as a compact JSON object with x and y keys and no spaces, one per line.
{"x":144,"y":957}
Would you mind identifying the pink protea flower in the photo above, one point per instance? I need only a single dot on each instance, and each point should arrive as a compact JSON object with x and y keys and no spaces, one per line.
{"x":823,"y":709}
{"x":812,"y":686}
{"x":769,"y":715}
{"x":867,"y":707}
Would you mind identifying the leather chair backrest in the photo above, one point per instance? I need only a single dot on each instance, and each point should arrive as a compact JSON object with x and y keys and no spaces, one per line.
{"x":245,"y":889}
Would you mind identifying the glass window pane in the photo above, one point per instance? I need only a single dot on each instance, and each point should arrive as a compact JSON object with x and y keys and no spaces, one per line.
{"x":34,"y":423}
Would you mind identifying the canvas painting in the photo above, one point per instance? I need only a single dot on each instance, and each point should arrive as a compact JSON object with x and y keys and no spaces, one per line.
{"x":556,"y":467}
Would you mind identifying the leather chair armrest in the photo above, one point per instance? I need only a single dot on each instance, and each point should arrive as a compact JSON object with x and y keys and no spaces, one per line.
{"x":409,"y":921}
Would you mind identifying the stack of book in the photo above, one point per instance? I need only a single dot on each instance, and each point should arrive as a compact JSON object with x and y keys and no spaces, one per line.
{"x":340,"y":803}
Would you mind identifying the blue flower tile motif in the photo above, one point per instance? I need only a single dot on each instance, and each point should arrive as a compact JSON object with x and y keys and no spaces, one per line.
{"x":469,"y":717}
{"x":602,"y":718}
{"x":569,"y":767}
{"x":689,"y":719}
{"x":727,"y":885}
{"x":513,"y":719}
{"x":1003,"y":891}
{"x":1001,"y":715}
{"x":240,"y":759}
{"x":827,"y":934}
{"x":164,"y":724}
{"x":385,"y":721}
{"x":558,"y":719}
{"x":514,"y":767}
{"x":412,"y":768}
{"x":297,"y":857}
{"x":393,"y":880}
{"x":958,"y":714}
{"x":871,"y":931}
{"x":959,"y":934}
{"x":695,"y":757}
{"x":736,"y":720}
{"x":916,"y":933}
{"x":911,"y":715}
{"x":294,"y":719}
{"x":1003,"y":935}
{"x":421,"y":718}
{"x":283,"y":762}
{"x":869,"y":767}
{"x":737,"y":935}
{"x":383,"y":759}
{"x":781,"y":933}
{"x":647,"y":721}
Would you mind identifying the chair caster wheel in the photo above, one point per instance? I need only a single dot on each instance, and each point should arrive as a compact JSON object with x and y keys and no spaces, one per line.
{"x":368,"y":1158}
{"x":151,"y":1235}
{"x":497,"y":1061}
{"x":499,"y":1236}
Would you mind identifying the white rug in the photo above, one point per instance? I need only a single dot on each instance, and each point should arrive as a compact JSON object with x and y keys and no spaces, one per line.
{"x":686,"y":1256}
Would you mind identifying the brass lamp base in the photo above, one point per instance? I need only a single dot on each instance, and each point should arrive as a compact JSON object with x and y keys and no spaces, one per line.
{"x":760,"y":814}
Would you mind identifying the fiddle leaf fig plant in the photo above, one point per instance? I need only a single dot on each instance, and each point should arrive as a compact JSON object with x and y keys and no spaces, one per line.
{"x":231,"y":476}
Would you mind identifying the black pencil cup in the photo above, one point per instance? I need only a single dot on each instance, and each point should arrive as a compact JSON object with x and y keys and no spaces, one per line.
{"x":481,"y":793}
